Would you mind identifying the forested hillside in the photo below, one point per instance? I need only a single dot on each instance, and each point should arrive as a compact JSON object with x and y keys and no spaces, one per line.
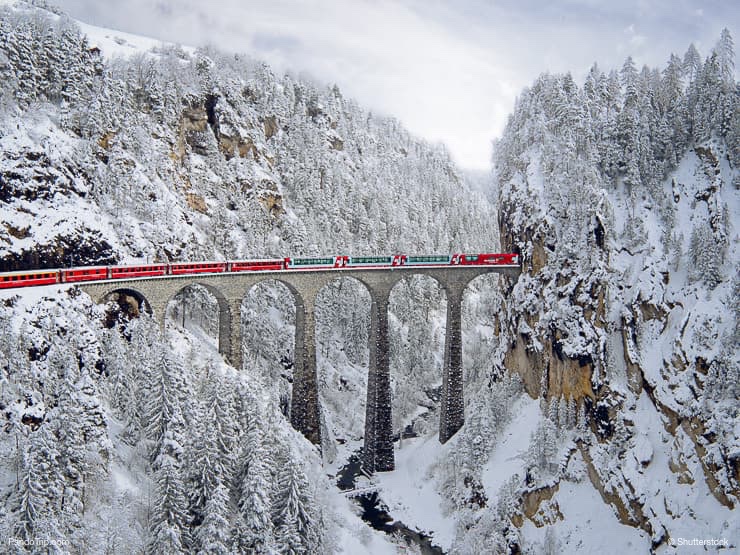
{"x":198,"y":154}
{"x":623,"y":195}
{"x":182,"y":154}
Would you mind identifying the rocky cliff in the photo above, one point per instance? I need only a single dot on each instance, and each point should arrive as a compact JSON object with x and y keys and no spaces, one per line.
{"x":622,"y":197}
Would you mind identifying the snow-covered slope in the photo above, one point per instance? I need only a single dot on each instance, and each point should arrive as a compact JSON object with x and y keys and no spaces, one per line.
{"x":118,"y":149}
{"x":180,"y":154}
{"x":623,"y":196}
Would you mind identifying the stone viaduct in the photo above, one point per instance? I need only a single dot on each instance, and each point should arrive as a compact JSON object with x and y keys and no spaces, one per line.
{"x":231,"y":288}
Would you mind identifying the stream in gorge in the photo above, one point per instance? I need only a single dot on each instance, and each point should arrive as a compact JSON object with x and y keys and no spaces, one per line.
{"x":375,"y":512}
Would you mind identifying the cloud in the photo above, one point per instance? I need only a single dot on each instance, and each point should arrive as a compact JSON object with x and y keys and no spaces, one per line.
{"x":450,"y":71}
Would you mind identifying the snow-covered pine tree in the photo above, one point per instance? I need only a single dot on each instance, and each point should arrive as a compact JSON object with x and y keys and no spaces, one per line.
{"x":253,"y":532}
{"x":168,"y":523}
{"x":212,"y":536}
{"x":706,"y":255}
{"x":82,"y":437}
{"x":163,"y":399}
{"x":210,"y":455}
{"x":41,"y":490}
{"x":292,"y":512}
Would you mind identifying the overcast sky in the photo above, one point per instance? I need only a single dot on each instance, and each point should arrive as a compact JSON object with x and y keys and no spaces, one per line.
{"x":449,"y":70}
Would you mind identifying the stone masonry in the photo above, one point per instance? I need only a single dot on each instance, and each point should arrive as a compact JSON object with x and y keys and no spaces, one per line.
{"x":230,"y":289}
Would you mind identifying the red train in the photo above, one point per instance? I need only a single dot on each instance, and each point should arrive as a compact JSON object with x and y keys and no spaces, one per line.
{"x":100,"y":273}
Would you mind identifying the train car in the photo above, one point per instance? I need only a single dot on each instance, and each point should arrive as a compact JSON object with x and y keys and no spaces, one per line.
{"x":376,"y":261}
{"x":488,"y":259}
{"x":183,"y":268}
{"x":94,"y":273}
{"x":146,"y":270}
{"x":428,"y":260}
{"x":321,"y":263}
{"x":256,"y":265}
{"x":369,"y":261}
{"x":29,"y":278}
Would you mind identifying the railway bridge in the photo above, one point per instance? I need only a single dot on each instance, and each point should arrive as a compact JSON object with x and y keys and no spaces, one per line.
{"x":230,"y":289}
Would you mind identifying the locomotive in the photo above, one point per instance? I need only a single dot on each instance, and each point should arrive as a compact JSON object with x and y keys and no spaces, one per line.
{"x":100,"y":273}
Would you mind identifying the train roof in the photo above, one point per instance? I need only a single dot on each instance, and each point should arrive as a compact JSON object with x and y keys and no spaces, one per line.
{"x":27,"y":272}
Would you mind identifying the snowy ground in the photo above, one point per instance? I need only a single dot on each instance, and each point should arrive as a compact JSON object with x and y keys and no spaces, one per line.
{"x":410,"y":490}
{"x":507,"y":457}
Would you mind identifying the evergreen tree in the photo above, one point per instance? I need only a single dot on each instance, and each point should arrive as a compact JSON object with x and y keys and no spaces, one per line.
{"x":254,"y":530}
{"x":162,"y":411}
{"x":295,"y":529}
{"x":692,"y":63}
{"x":168,"y":528}
{"x":212,"y":535}
{"x":706,"y":255}
{"x":725,"y":50}
{"x":41,"y":489}
{"x":82,"y":438}
{"x":210,"y":461}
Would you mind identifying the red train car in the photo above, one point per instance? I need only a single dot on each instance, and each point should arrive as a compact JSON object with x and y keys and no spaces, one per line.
{"x":95,"y":273}
{"x":493,"y":259}
{"x":256,"y":265}
{"x":147,"y":270}
{"x":182,"y":268}
{"x":26,"y":279}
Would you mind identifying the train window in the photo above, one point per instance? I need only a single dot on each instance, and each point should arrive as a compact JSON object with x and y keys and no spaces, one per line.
{"x":311,"y":261}
{"x":371,"y":260}
{"x":471,"y":257}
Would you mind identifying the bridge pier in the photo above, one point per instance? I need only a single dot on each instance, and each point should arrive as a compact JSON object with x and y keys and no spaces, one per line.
{"x":159,"y":312}
{"x":304,"y":413}
{"x":230,"y":326}
{"x":378,"y":450}
{"x":452,"y":408}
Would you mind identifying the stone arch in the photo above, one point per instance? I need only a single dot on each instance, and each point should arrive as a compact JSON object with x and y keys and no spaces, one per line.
{"x":353,"y":312}
{"x":417,"y":343}
{"x":297,"y":296}
{"x":409,"y":274}
{"x":348,"y":277}
{"x":290,"y":286}
{"x":305,"y":411}
{"x":481,"y":282}
{"x":130,"y":301}
{"x":224,"y":318}
{"x":288,"y":302}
